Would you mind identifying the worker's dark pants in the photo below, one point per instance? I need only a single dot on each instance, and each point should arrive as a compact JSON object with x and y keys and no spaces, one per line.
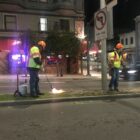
{"x":114,"y":73}
{"x":34,"y":82}
{"x":59,"y":68}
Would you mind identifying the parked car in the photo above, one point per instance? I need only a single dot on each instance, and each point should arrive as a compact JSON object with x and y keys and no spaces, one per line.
{"x":52,"y":59}
{"x":131,"y":72}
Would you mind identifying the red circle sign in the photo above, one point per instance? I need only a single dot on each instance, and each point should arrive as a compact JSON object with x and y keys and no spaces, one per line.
{"x":100,"y":20}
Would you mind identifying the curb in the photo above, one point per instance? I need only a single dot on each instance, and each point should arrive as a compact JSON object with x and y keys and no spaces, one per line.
{"x":68,"y":99}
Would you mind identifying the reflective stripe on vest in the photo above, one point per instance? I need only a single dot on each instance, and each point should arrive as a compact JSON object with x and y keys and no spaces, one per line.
{"x":34,"y":53}
{"x":116,"y":59}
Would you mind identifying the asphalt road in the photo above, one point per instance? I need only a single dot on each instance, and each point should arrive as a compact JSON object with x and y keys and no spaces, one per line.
{"x":88,"y":120}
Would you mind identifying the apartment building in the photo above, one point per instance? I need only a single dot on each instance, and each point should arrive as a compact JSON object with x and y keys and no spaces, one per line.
{"x":129,"y":42}
{"x":19,"y":18}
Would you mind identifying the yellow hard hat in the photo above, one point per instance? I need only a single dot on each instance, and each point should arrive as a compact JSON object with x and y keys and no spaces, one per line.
{"x":42,"y":43}
{"x":119,"y":46}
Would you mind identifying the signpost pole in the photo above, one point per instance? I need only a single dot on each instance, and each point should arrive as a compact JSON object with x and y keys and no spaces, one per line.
{"x":103,"y":57}
{"x":104,"y":65}
{"x":101,"y":35}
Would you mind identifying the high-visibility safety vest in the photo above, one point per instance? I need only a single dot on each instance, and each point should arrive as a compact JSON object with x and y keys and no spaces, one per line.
{"x":34,"y":53}
{"x":115,"y":59}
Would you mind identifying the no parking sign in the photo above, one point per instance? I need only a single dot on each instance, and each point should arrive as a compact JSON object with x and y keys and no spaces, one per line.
{"x":100,"y":25}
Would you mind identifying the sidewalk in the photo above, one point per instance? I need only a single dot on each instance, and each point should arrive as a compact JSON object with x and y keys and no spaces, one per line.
{"x":22,"y":76}
{"x":77,"y":95}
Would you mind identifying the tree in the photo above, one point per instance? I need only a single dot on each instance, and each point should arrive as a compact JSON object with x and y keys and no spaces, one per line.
{"x":63,"y":43}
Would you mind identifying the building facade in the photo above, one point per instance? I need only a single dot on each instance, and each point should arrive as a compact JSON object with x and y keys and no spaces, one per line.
{"x":19,"y":17}
{"x":129,"y":42}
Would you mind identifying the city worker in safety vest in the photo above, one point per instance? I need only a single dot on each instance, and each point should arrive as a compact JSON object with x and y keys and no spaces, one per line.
{"x":115,"y":61}
{"x":34,"y":65}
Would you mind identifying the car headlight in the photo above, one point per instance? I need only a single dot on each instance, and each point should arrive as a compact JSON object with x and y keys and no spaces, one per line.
{"x":120,"y":71}
{"x":131,"y":71}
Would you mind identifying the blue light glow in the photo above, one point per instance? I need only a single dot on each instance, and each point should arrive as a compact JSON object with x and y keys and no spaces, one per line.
{"x":19,"y":58}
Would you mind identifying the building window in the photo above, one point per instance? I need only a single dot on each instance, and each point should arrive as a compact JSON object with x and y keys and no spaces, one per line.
{"x":43,"y":0}
{"x":43,"y":24}
{"x":122,"y":41}
{"x":55,"y":1}
{"x":38,"y":0}
{"x":10,"y":22}
{"x":64,"y":25}
{"x":82,"y":4}
{"x":56,"y":26}
{"x":126,"y":41}
{"x":131,"y":40}
{"x":66,"y":0}
{"x":33,"y":0}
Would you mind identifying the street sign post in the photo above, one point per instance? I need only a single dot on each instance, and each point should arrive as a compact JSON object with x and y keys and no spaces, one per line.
{"x":111,"y":3}
{"x":100,"y":19}
{"x":100,"y":28}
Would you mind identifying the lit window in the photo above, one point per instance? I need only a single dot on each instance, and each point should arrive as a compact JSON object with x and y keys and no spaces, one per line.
{"x":43,"y":24}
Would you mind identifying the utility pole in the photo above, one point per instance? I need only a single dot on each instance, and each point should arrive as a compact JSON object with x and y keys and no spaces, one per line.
{"x":103,"y":56}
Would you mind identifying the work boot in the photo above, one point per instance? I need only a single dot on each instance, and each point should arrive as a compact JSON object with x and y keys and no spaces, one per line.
{"x":116,"y":89}
{"x":34,"y":96}
{"x":40,"y":93}
{"x":110,"y":89}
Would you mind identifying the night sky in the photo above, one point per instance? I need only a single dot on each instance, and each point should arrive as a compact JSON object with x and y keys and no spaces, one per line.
{"x":124,"y":13}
